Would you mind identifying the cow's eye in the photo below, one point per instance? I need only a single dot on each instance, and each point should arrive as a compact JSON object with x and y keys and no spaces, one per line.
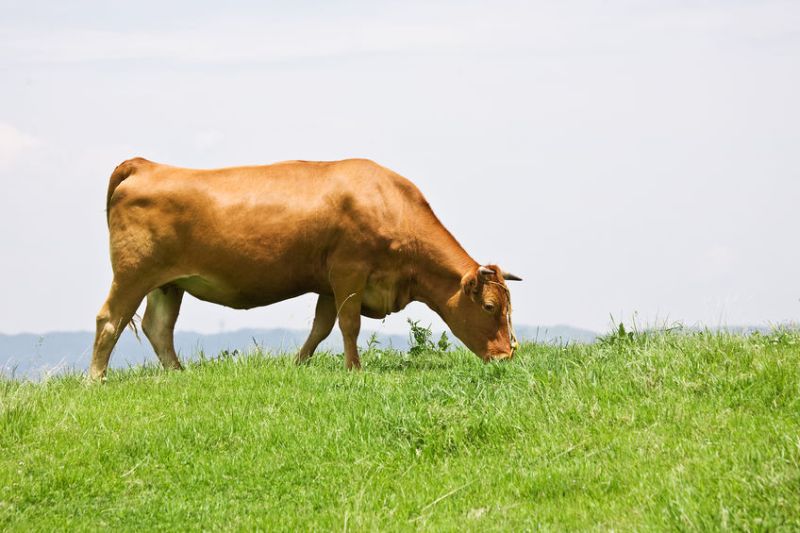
{"x":488,"y":307}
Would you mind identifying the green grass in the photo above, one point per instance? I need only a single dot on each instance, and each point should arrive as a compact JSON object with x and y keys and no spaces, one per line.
{"x":643,"y":432}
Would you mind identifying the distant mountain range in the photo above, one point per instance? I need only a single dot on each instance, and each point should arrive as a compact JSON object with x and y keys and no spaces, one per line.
{"x":33,"y":356}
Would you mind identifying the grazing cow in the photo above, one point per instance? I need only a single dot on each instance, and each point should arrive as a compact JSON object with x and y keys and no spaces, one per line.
{"x":359,"y":235}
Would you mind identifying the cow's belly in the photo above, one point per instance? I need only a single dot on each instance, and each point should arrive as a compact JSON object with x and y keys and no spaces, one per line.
{"x":235,"y":295}
{"x":248,"y":272}
{"x":378,"y":300}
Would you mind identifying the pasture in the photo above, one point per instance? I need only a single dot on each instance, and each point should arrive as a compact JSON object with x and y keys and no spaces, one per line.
{"x":651,"y":431}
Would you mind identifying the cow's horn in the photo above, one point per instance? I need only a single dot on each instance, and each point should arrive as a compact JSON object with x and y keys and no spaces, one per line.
{"x":485,"y":271}
{"x":508,"y":276}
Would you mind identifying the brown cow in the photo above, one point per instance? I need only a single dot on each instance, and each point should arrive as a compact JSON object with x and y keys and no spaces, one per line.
{"x":358,"y":234}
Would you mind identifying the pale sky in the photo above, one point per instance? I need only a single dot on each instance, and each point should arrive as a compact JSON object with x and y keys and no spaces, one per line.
{"x":631,"y":157}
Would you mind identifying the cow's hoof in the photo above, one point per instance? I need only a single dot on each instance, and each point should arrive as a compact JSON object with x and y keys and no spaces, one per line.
{"x":95,"y":378}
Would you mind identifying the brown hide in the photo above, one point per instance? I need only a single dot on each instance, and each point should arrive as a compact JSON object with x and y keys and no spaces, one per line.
{"x":359,"y":235}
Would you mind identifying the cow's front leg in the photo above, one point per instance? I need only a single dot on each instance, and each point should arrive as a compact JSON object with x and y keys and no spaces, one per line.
{"x":350,"y":324}
{"x":348,"y":282}
{"x":348,"y":286}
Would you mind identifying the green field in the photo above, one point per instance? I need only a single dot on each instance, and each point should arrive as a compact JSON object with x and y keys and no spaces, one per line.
{"x":637,"y":432}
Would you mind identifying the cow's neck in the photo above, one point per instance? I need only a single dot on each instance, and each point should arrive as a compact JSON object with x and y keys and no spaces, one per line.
{"x":440,"y":266}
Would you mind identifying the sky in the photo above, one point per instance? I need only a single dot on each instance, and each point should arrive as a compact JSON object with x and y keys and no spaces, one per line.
{"x":630,"y":159}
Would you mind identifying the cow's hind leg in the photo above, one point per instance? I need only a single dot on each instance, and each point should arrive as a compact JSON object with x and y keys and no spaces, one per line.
{"x":114,"y":316}
{"x":324,"y":319}
{"x":158,"y":323}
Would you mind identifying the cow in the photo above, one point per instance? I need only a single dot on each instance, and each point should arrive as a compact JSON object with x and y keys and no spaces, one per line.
{"x":359,"y":235}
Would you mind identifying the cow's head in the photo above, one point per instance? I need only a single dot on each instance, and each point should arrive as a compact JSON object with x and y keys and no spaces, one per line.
{"x":483,"y":313}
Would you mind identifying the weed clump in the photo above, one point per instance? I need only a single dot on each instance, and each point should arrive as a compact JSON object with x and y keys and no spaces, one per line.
{"x":420,"y":340}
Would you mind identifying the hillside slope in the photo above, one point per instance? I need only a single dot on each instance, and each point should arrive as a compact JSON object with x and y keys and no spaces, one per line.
{"x":647,"y":432}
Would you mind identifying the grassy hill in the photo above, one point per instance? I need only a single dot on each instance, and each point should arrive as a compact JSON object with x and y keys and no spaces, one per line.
{"x":635,"y":432}
{"x":33,"y":356}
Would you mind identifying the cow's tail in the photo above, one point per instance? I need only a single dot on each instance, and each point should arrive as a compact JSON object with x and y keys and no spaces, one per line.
{"x":123,"y":171}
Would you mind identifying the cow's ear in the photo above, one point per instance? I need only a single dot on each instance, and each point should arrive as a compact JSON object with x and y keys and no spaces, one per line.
{"x":469,"y":284}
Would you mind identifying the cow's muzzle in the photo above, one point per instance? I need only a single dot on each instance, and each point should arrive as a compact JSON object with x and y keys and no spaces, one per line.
{"x":498,"y":357}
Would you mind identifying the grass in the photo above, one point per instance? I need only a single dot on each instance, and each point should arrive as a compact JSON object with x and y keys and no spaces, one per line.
{"x":637,"y":432}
